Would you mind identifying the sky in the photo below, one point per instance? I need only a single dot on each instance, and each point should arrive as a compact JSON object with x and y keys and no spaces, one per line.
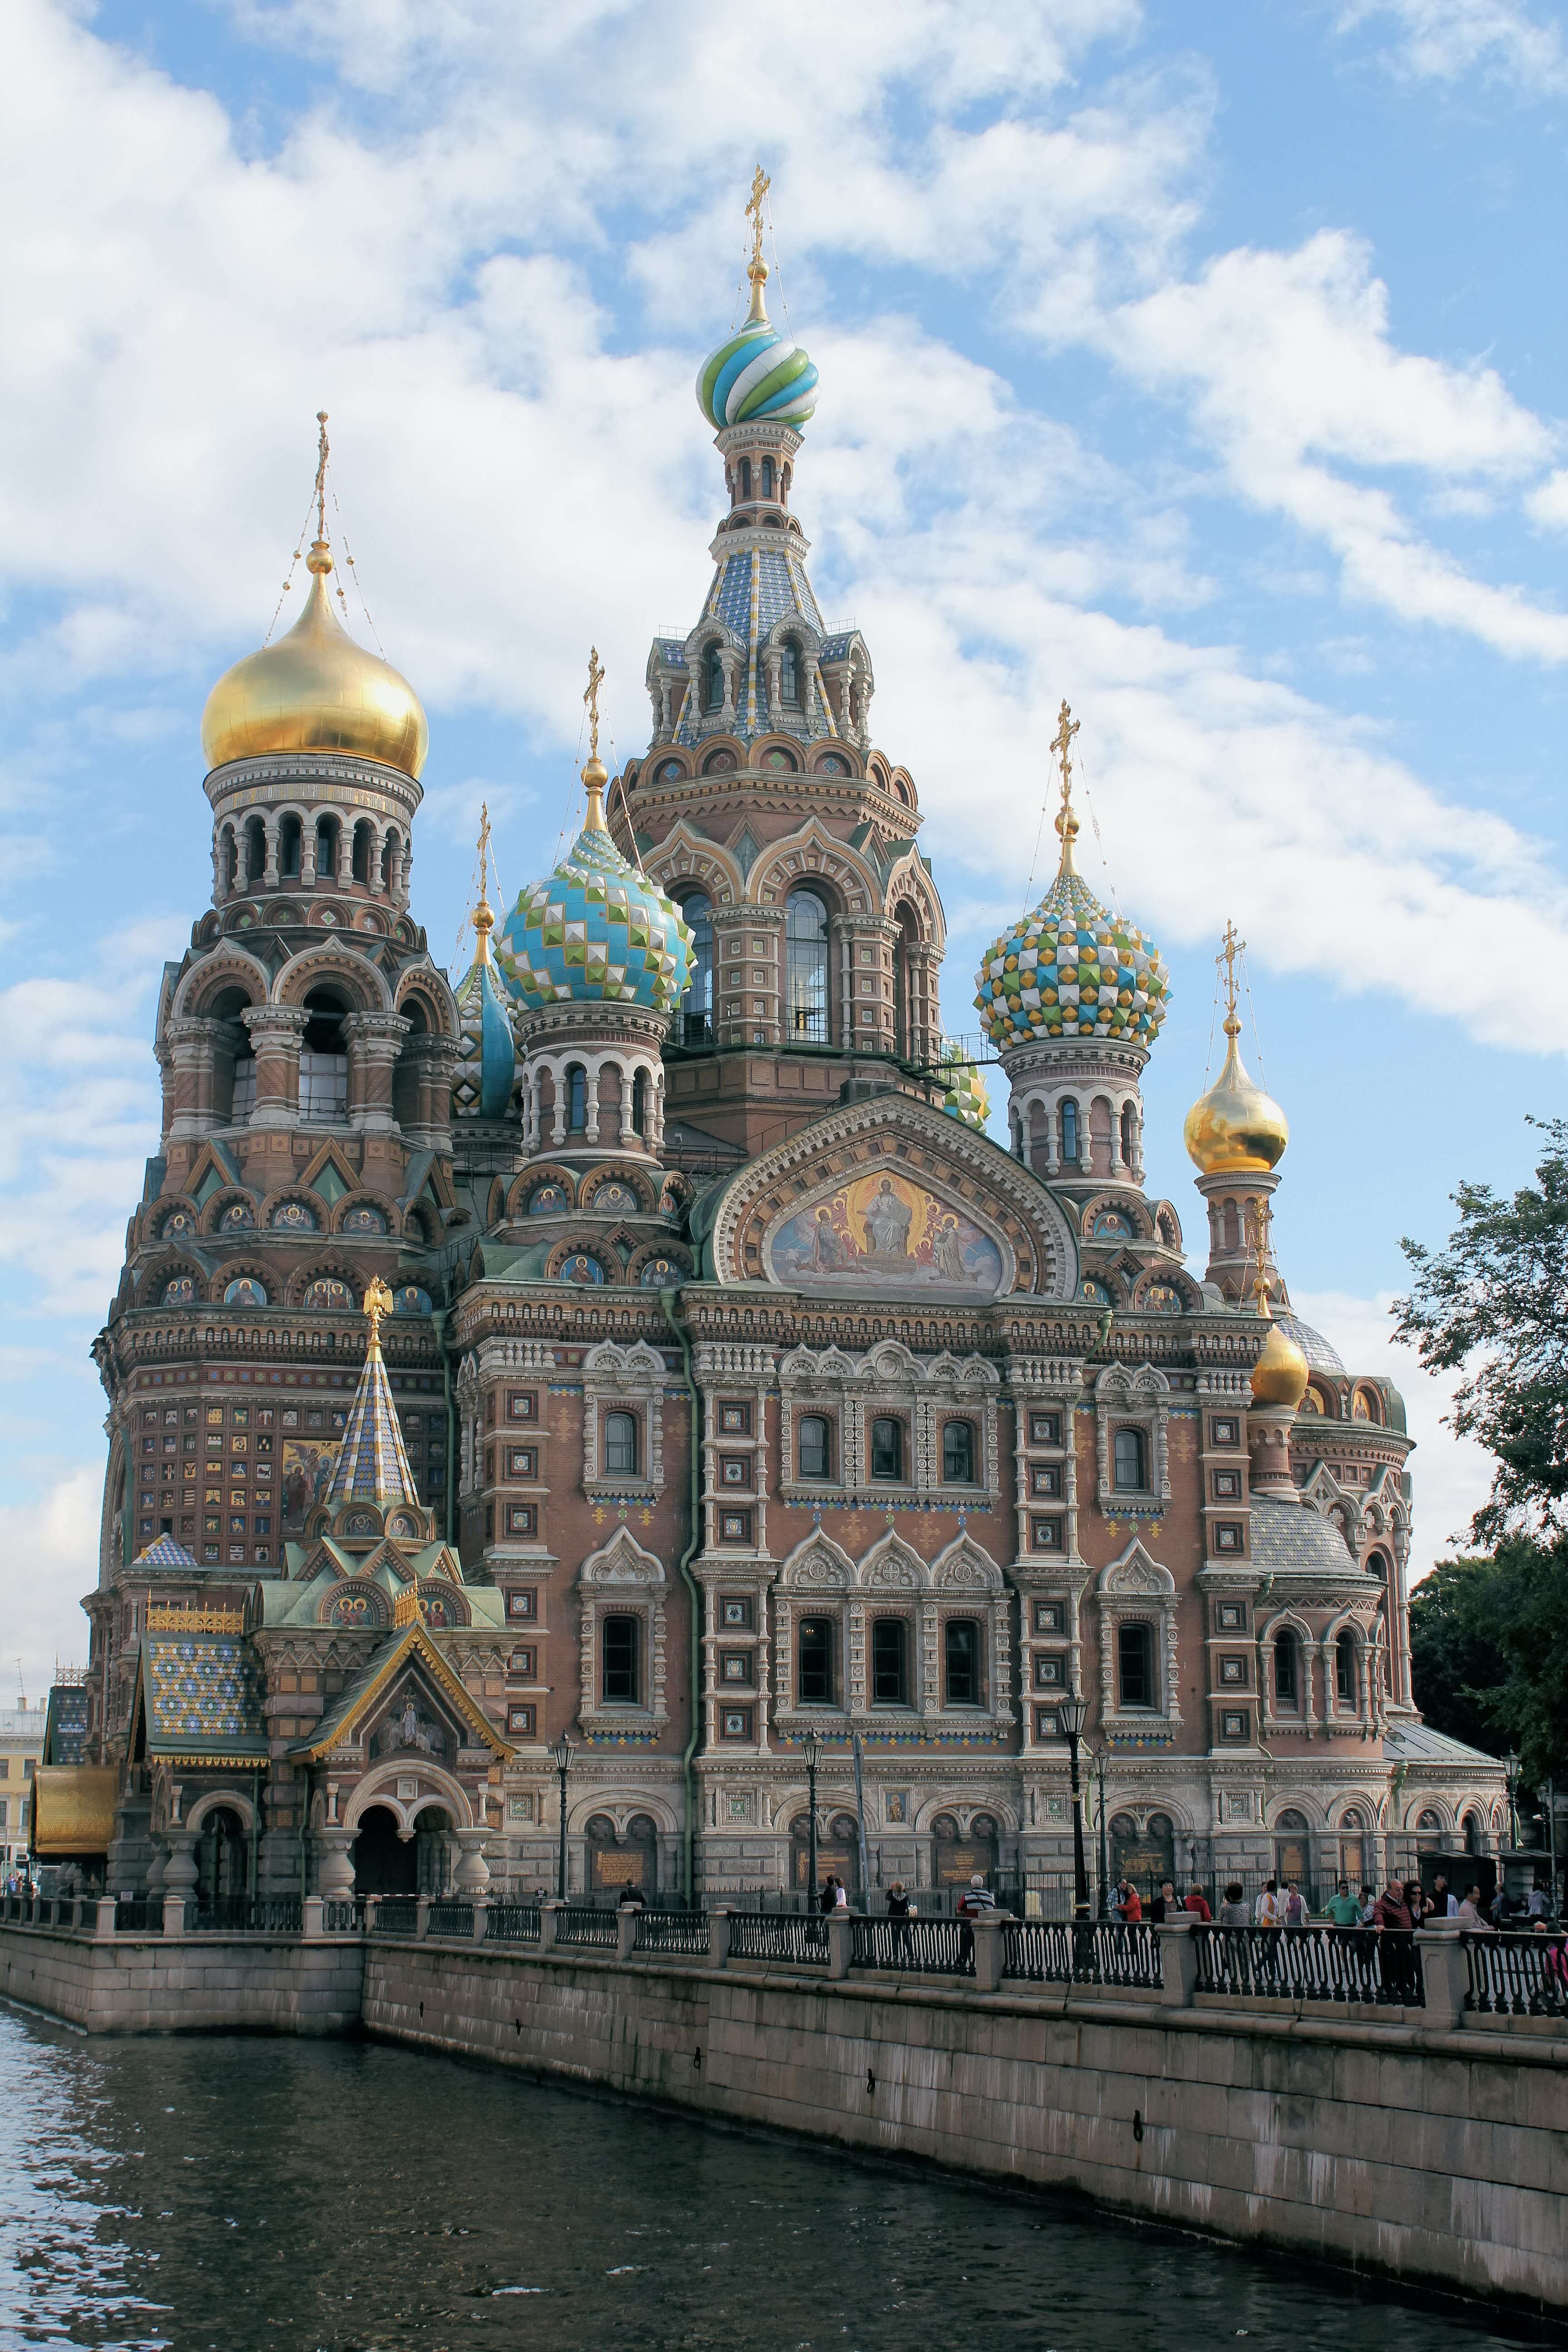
{"x":1197,"y":366}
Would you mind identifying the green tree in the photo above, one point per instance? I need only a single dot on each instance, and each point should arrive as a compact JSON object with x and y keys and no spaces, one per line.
{"x":1456,"y":1664}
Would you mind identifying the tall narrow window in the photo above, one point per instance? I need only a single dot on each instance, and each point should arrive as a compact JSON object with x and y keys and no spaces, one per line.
{"x":805,"y":951}
{"x":361,"y":853}
{"x":621,"y":1443}
{"x":812,"y":1447}
{"x":961,"y":1652}
{"x":1134,"y":1666}
{"x":745,"y":478}
{"x":288,"y":839}
{"x":890,"y":1661}
{"x":815,"y":1680}
{"x":639,"y":1103}
{"x":326,"y":849}
{"x":1344,"y":1669}
{"x":767,"y":477}
{"x":1286,"y":1668}
{"x":243,"y":1089}
{"x":1129,"y":1136}
{"x":888,"y":1451}
{"x":957,"y":1454}
{"x":697,"y":1006}
{"x":713,"y":674}
{"x":254,"y":850}
{"x":577,"y":1099}
{"x":1069,"y":1130}
{"x":789,"y":674}
{"x":1128,"y":1462}
{"x":619,"y":1649}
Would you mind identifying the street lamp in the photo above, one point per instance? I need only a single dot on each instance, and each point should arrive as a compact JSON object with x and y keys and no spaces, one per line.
{"x":811,"y":1749}
{"x":561,"y":1755}
{"x":1511,"y":1773}
{"x":1072,"y":1715}
{"x":1102,"y":1906}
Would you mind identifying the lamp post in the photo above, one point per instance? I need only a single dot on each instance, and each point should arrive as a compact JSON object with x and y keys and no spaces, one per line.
{"x":811,"y":1749}
{"x":561,"y":1755}
{"x":1511,"y":1773}
{"x":1102,"y":1907}
{"x":1072,"y":1715}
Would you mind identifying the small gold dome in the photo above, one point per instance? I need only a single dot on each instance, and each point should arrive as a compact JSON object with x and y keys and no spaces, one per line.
{"x":1235,"y":1126}
{"x":1279,"y":1375}
{"x":315,"y":690}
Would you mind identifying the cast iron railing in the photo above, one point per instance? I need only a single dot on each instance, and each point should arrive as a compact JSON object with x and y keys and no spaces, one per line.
{"x":590,"y":1930}
{"x":1057,"y":1951}
{"x":452,"y":1919}
{"x":1517,"y":1976}
{"x":513,"y":1923}
{"x":792,"y":1935}
{"x":935,"y":1947}
{"x":396,"y":1915}
{"x":672,"y":1931}
{"x":136,"y":1915}
{"x":1350,"y":1964}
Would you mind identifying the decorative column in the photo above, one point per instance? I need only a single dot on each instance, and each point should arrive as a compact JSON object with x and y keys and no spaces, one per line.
{"x":189,"y":1055}
{"x":435,"y":1059}
{"x":375,"y":1040}
{"x":277,"y":1033}
{"x":337,"y":1871}
{"x":269,"y":833}
{"x":591,"y":1107}
{"x":473,"y":1873}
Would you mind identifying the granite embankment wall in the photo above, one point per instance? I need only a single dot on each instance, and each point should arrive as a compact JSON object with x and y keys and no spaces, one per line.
{"x":189,"y":1984}
{"x":1432,"y":2156}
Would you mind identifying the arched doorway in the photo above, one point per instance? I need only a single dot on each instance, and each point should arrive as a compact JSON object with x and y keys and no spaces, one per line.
{"x":1291,"y":1852}
{"x":957,"y":1859}
{"x":1355,"y":1862}
{"x":384,"y":1858}
{"x":223,"y":1859}
{"x":838,"y":1850}
{"x":630,"y":1860}
{"x":1147,"y":1856}
{"x":435,"y":1851}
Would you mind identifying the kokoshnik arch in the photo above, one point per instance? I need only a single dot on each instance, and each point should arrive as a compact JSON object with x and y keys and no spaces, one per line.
{"x":643,"y":1340}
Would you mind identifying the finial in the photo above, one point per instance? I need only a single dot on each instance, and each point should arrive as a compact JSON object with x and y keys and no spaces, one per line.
{"x":1230,"y":949}
{"x":1066,"y":823}
{"x":483,"y":919}
{"x":377,"y":1303}
{"x":595,"y":775}
{"x":320,"y":556}
{"x":1262,"y":1221}
{"x":757,"y":269}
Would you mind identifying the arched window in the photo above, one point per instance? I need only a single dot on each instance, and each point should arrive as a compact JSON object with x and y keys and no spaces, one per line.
{"x":813,"y":1446}
{"x":907,"y":1021}
{"x":745,"y":478}
{"x":1069,"y":1130}
{"x":814,"y":1679}
{"x":639,"y":1103}
{"x":362,"y":851}
{"x":324,"y":1059}
{"x":254,"y":850}
{"x":890,"y":1661}
{"x":767,"y":477}
{"x":1129,"y":1136}
{"x":789,"y":674}
{"x":1286,"y":1668}
{"x":577,"y":1098}
{"x":957,"y":1454}
{"x":960,"y":1658}
{"x":887,"y":1450}
{"x":620,"y":1649}
{"x":1128,"y":1456}
{"x":1475,"y":1842}
{"x":696,"y":1013}
{"x":326,"y":848}
{"x":1134,"y":1666}
{"x":1377,"y":1565}
{"x":1231,"y":1224}
{"x":230,"y":861}
{"x":1345,"y":1669}
{"x":288,"y":846}
{"x":713,"y":679}
{"x":806,"y":954}
{"x":621,"y":1443}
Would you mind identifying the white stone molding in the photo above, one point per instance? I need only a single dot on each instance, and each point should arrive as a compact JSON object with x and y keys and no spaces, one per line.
{"x":1135,"y":1588}
{"x":1140,"y":1399}
{"x":622,"y":1580}
{"x":618,"y":1378}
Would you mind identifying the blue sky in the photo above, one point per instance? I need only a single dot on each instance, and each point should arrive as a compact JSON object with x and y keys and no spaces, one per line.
{"x":1202,"y":366}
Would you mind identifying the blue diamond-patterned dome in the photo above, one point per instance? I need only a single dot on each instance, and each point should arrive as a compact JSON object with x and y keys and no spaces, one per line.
{"x":1071,"y":968}
{"x":596,"y":932}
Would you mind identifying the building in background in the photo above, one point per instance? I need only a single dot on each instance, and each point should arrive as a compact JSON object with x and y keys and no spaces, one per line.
{"x":21,"y":1752}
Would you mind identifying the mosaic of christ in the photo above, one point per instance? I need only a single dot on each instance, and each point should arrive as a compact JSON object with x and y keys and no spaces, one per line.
{"x":883,"y":1233}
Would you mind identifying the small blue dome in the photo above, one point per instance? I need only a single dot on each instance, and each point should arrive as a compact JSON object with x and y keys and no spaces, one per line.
{"x":596,"y":932}
{"x":481,"y":1085}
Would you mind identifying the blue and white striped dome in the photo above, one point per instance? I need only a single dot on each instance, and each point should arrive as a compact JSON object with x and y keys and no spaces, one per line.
{"x":757,"y":375}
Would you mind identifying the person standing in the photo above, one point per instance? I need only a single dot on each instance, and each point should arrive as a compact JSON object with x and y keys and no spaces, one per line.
{"x":1470,"y":1914}
{"x":1294,"y":1905}
{"x":1445,"y":1903}
{"x":1341,"y":1908}
{"x":1198,"y":1903}
{"x":1233,"y":1911}
{"x":1271,"y":1909}
{"x":1132,"y":1902}
{"x":828,"y":1900}
{"x":1164,"y":1905}
{"x":1392,"y":1910}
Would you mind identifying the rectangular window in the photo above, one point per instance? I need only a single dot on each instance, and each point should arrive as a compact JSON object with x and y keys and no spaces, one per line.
{"x":1129,"y":1463}
{"x":521,"y":1661}
{"x":1134,"y":1666}
{"x":735,"y":1723}
{"x":1047,"y":1535}
{"x":735,"y":1527}
{"x":1046,"y":1478}
{"x":1224,"y":1432}
{"x":814,"y":1446}
{"x":889,"y":1654}
{"x":1050,"y":1671}
{"x":521,"y":1519}
{"x":620,"y":1445}
{"x":520,"y":1720}
{"x":734,"y":1609}
{"x":735,"y":1420}
{"x":489,"y":1466}
{"x":522,"y":1462}
{"x":886,"y":1451}
{"x":522,"y":1404}
{"x":735,"y":1666}
{"x":1045,"y":1429}
{"x":1051,"y":1616}
{"x":957,"y":1454}
{"x":961,"y":1646}
{"x":620,"y":1646}
{"x":734,"y":1469}
{"x":814,"y":1687}
{"x":1228,"y":1486}
{"x":523,"y":1601}
{"x":1227,"y":1535}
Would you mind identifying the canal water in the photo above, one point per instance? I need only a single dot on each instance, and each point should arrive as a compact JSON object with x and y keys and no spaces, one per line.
{"x":261,"y":2196}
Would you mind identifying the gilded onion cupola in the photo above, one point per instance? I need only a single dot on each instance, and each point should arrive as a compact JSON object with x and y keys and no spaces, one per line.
{"x":1235,"y":1135}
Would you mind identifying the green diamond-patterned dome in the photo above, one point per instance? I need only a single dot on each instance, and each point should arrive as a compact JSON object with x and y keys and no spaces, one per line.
{"x":1071,"y":970}
{"x":596,"y":932}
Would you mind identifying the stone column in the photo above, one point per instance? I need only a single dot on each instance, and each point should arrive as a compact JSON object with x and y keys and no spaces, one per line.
{"x":718,"y":1937}
{"x":189,"y":1056}
{"x":374,"y":1040}
{"x":277,"y":1033}
{"x":1178,"y":1961}
{"x":591,"y":1107}
{"x":840,"y":1943}
{"x":270,"y":871}
{"x":990,"y":1950}
{"x":1445,"y":1973}
{"x":435,"y":1059}
{"x":625,"y":1933}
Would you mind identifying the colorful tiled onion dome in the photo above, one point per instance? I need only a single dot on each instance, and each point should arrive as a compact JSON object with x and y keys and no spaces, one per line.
{"x":481,"y":1085}
{"x":758,"y":374}
{"x":966,"y":1098}
{"x":1071,"y":970}
{"x":596,"y":930}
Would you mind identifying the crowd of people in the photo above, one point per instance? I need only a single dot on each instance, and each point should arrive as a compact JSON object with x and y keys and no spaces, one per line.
{"x":1403,"y":1905}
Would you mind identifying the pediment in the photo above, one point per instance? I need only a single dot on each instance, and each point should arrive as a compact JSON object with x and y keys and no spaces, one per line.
{"x":965,"y":1567}
{"x":622,"y":1561}
{"x":411,"y":1673}
{"x":1136,"y":1575}
{"x":892,"y":1566}
{"x":817,"y":1565}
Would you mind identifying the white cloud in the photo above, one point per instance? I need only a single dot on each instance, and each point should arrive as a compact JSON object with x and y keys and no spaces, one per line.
{"x":1548,"y":505}
{"x":50,"y":1537}
{"x":1452,"y":1475}
{"x":1455,"y":41}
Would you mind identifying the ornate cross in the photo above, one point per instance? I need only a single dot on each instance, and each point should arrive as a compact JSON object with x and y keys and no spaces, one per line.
{"x":484,"y":844}
{"x":1231,"y":948}
{"x":596,"y":679}
{"x":760,"y":183}
{"x":321,"y":451}
{"x":377,"y":1304}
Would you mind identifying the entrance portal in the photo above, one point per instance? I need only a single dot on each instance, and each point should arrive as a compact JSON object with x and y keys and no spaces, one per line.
{"x":222,"y":1873}
{"x":838,"y":1850}
{"x":631,"y":1861}
{"x":384,"y":1858}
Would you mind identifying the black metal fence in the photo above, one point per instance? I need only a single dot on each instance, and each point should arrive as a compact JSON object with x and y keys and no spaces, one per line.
{"x":1350,"y":1964}
{"x":679,"y":1932}
{"x":513,"y":1923}
{"x":1517,"y":1976}
{"x":930,"y":1947}
{"x":796,"y":1938}
{"x":1054,"y":1951}
{"x":452,"y":1919}
{"x":577,"y":1924}
{"x":397,"y":1915}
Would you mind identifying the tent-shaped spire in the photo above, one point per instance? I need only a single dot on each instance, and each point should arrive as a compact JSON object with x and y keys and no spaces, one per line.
{"x":372,"y":1464}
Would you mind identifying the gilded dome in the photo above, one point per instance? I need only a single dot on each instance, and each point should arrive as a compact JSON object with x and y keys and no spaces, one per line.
{"x":1279,"y":1375}
{"x":1236,"y":1128}
{"x":315,"y":690}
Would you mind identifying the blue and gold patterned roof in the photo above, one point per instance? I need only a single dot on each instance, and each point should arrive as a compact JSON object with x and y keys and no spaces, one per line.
{"x":596,"y":930}
{"x":372,"y":1466}
{"x":165,"y":1553}
{"x":1071,"y":970}
{"x":203,"y":1694}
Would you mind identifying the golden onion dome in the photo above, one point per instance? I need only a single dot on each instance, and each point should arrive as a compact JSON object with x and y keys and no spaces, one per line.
{"x":1236,"y":1128}
{"x":315,"y":690}
{"x":1279,"y":1375}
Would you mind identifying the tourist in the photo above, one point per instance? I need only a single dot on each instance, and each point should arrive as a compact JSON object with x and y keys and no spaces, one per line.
{"x":1118,"y":1900}
{"x":632,"y":1899}
{"x":1445,"y":1903}
{"x":1554,"y":1959}
{"x":1537,"y":1905}
{"x":1132,"y":1902}
{"x":1417,"y":1902}
{"x":899,"y":1904}
{"x":976,"y":1899}
{"x":840,"y":1895}
{"x":1342,"y":1909}
{"x":1198,"y":1903}
{"x":1368,"y":1904}
{"x":1164,"y":1905}
{"x":1233,"y":1911}
{"x":1392,"y":1910}
{"x":828,"y":1900}
{"x":1471,"y":1913}
{"x":1269,"y":1911}
{"x":1295,"y":1905}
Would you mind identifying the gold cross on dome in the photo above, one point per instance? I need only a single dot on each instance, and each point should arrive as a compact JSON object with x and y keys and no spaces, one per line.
{"x":484,"y":845}
{"x":596,"y":679}
{"x":1231,"y":946}
{"x":1061,"y":743}
{"x":377,"y":1304}
{"x":321,"y":455}
{"x":760,"y":183}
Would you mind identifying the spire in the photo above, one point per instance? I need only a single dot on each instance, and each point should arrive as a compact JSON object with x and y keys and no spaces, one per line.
{"x":595,"y":775}
{"x":1066,"y":823}
{"x":757,"y":269}
{"x":483,"y":917}
{"x":1262,"y":1224}
{"x":372,"y":1465}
